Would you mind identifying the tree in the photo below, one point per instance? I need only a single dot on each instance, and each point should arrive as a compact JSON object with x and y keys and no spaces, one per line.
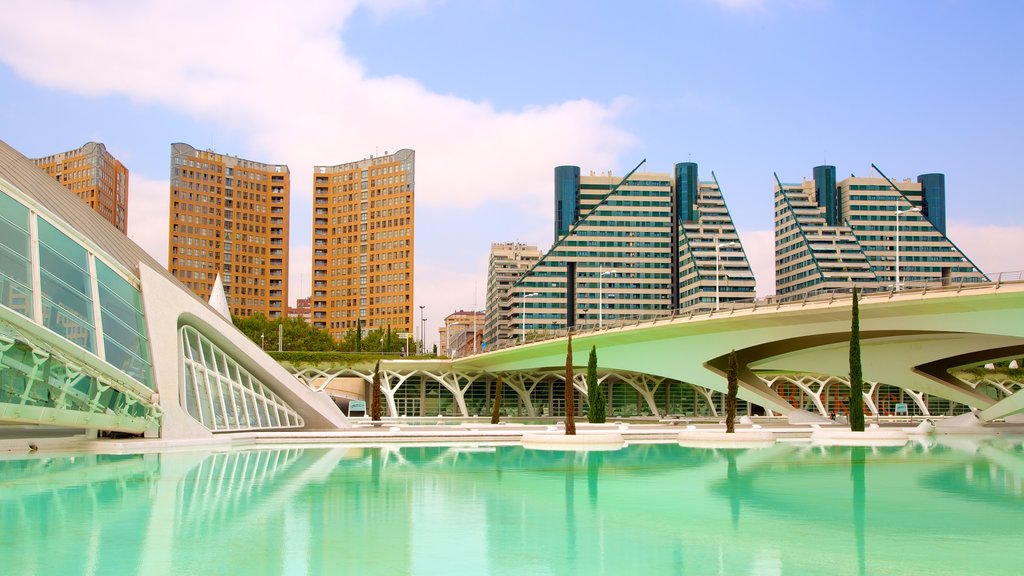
{"x":595,"y":393}
{"x":570,"y":397}
{"x":496,"y":409}
{"x":856,"y":375}
{"x":375,"y":394}
{"x":359,"y":334}
{"x":731,"y":390}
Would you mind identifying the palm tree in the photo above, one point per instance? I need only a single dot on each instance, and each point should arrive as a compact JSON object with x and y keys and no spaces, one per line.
{"x":856,"y":375}
{"x":731,"y":390}
{"x":570,"y":400}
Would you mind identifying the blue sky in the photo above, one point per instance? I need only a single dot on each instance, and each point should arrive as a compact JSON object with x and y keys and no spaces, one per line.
{"x":492,"y":95}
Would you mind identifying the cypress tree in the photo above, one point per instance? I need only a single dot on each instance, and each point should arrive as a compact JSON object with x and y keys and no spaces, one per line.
{"x":570,"y":397}
{"x":375,"y":394}
{"x":496,"y":409}
{"x":856,"y":376}
{"x":595,"y":393}
{"x":359,"y":334}
{"x":731,"y":390}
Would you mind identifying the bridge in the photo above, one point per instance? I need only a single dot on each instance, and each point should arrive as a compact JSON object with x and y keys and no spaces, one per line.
{"x":911,"y":339}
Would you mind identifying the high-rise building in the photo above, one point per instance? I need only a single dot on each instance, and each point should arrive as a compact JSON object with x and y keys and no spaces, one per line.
{"x":230,"y":216}
{"x":864,"y":231}
{"x":507,"y":262}
{"x":634,"y":246}
{"x":96,"y":177}
{"x":363,"y":216}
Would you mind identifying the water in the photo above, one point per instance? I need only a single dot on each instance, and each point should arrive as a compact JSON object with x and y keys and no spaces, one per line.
{"x":952,"y":508}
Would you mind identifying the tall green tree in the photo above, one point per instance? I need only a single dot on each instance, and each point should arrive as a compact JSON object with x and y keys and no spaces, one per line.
{"x":375,"y":394}
{"x":496,"y":408}
{"x":570,"y":393}
{"x":732,"y":388}
{"x":595,"y":392}
{"x":359,"y":334}
{"x":856,"y":375}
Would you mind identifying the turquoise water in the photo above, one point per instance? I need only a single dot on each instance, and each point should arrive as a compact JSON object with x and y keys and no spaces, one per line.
{"x":953,"y":508}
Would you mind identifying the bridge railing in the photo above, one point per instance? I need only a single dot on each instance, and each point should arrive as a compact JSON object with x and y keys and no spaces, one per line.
{"x":728,"y":307}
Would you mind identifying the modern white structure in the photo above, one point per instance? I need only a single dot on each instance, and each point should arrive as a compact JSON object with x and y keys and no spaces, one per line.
{"x":95,"y":334}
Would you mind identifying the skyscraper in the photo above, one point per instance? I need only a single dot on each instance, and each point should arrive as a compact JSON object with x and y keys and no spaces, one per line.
{"x":507,"y":262}
{"x":865,"y":231}
{"x":230,"y":216}
{"x":363,"y":216}
{"x":640,"y":245}
{"x":96,"y":177}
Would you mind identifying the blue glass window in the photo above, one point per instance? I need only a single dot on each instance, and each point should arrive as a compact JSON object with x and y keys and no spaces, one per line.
{"x":15,"y":257}
{"x":65,"y":286}
{"x":124,"y":329}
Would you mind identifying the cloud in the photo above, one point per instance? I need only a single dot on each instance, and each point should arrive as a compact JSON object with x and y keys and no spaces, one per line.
{"x":994,"y":249}
{"x":759,"y":245}
{"x":742,"y":5}
{"x":281,"y":78}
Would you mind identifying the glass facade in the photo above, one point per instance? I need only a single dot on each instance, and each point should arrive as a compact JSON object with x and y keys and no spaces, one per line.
{"x":827,"y":194}
{"x":15,"y":257}
{"x":687,"y":185}
{"x":72,"y":281}
{"x":66,"y":286}
{"x":567,"y":206}
{"x":224,"y":396}
{"x":933,"y":205}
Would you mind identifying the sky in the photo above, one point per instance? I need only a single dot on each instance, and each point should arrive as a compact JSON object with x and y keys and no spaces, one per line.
{"x":493,"y":94}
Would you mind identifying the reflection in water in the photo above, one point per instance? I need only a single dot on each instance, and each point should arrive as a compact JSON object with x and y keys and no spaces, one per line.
{"x":857,"y":475}
{"x":436,"y":510}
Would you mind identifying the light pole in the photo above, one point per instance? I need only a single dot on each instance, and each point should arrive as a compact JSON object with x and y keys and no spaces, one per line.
{"x":423,"y":335}
{"x":898,"y":213}
{"x":601,"y":273}
{"x":522,"y":321}
{"x":718,"y":267}
{"x":448,"y":334}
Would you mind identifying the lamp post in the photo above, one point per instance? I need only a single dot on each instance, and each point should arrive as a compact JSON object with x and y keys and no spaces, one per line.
{"x":898,"y":213}
{"x":448,"y":335}
{"x":601,"y":273}
{"x":522,"y":321}
{"x":423,"y":335}
{"x":718,"y":267}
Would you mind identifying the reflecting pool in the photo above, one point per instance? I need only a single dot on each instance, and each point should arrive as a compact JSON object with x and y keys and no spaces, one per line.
{"x":943,"y":507}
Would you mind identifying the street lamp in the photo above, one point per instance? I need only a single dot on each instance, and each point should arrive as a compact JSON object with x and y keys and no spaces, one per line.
{"x":601,"y":273}
{"x":718,"y":266}
{"x":423,"y":335}
{"x":522,"y":321}
{"x":898,"y":213}
{"x":448,"y":334}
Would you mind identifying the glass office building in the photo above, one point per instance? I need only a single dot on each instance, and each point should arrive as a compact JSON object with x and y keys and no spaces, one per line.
{"x":860,"y":231}
{"x":643,"y":244}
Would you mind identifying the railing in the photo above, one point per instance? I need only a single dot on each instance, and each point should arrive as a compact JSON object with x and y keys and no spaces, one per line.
{"x":727,"y":308}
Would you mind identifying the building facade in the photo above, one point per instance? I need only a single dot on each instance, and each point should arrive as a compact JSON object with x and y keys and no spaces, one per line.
{"x":506,"y":263}
{"x":95,"y":334}
{"x":96,"y":177}
{"x":645,"y":244}
{"x":462,"y":333}
{"x":870,"y":232}
{"x":230,"y":216}
{"x":363,"y":244}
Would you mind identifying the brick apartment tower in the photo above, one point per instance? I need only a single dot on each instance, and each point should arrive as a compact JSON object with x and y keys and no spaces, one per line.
{"x":230,"y":215}
{"x":363,"y":215}
{"x":96,"y":176}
